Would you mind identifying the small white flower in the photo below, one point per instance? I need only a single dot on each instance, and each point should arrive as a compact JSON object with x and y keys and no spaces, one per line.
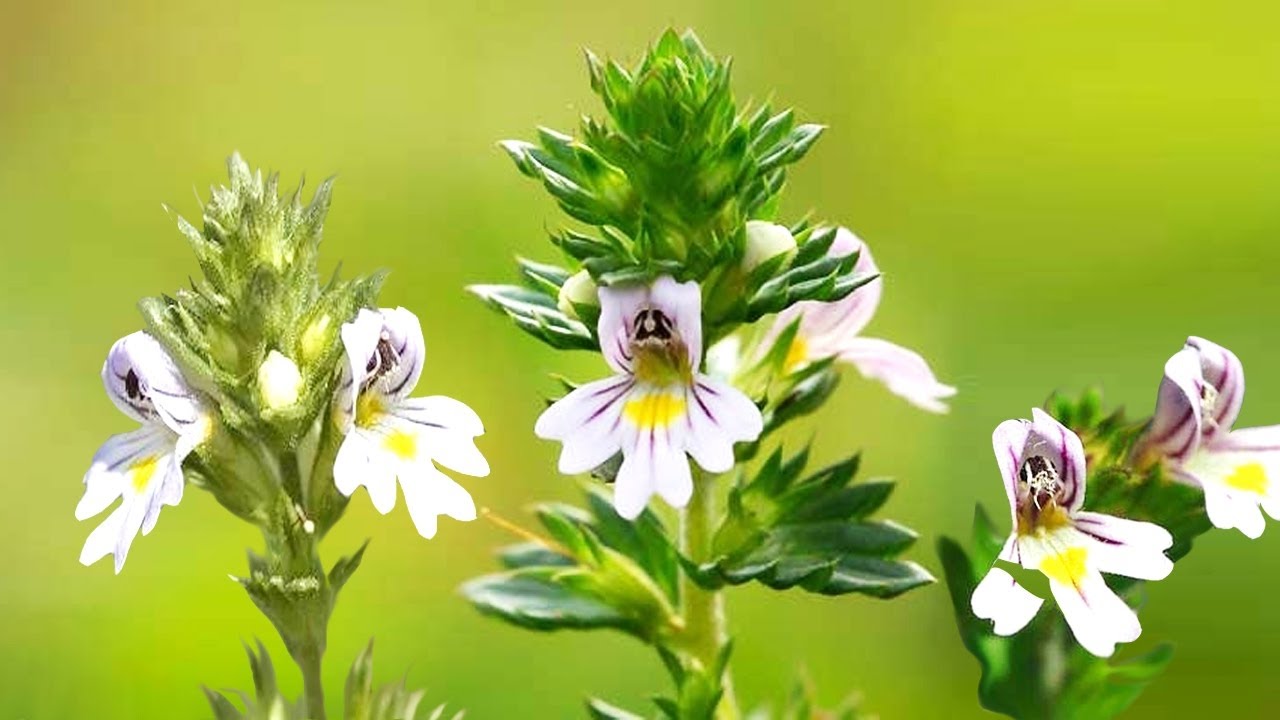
{"x":578,"y":289}
{"x":657,"y":406}
{"x":1043,"y":465}
{"x":832,"y":330}
{"x":1191,"y":432}
{"x":764,"y":241}
{"x":143,"y":467}
{"x":279,"y":381}
{"x":391,"y":436}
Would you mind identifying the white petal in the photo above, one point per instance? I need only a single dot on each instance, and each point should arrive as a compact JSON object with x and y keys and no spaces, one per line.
{"x":116,"y":464}
{"x":1175,"y":428}
{"x":903,"y":371}
{"x":618,"y":307}
{"x":719,"y":415}
{"x":1111,"y":529}
{"x":1235,"y":483}
{"x":360,"y":340}
{"x":1009,"y":441}
{"x":115,"y":535}
{"x":587,"y":422}
{"x":1258,"y":439}
{"x":1127,"y":547}
{"x":733,"y":411}
{"x":1097,"y":616}
{"x":672,"y":478}
{"x":634,"y":485}
{"x":404,"y":334}
{"x":682,"y":302}
{"x":429,"y":493}
{"x":145,"y":383}
{"x":1233,"y":511}
{"x":1222,"y":369}
{"x":362,"y":461}
{"x":445,"y":429}
{"x":1000,"y":598}
{"x":103,"y":540}
{"x":1063,"y":447}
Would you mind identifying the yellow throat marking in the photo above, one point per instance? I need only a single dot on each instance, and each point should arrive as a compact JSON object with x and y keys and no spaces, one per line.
{"x":142,"y":471}
{"x":403,"y":444}
{"x":1250,"y":477}
{"x":1067,"y":567}
{"x":654,"y":410}
{"x":368,"y":409}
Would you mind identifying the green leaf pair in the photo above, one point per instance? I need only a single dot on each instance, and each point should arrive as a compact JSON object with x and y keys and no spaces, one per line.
{"x":595,"y":571}
{"x":814,"y":532}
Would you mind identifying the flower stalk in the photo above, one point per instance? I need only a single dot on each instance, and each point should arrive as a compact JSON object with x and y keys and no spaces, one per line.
{"x":706,"y":632}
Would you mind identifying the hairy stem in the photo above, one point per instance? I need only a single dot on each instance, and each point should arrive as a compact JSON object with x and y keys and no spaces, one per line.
{"x":312,"y":683}
{"x":706,"y":634}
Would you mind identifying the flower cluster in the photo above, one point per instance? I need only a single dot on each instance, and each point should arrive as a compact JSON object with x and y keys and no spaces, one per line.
{"x":1189,"y":440}
{"x":660,"y":406}
{"x":387,"y":434}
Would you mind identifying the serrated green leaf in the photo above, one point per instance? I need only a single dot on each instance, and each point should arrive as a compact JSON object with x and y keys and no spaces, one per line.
{"x":813,"y":533}
{"x":536,"y":313}
{"x":532,"y":598}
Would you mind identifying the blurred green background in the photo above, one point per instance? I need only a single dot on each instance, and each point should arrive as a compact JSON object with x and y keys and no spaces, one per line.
{"x":1058,"y":193}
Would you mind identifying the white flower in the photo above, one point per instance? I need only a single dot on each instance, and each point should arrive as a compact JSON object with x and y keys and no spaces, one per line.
{"x":1043,"y":465}
{"x":832,"y":330}
{"x":578,"y":289}
{"x":143,"y":467}
{"x":1191,"y":432}
{"x":657,"y":406}
{"x":279,"y":381}
{"x":764,"y":241}
{"x":390,"y":435}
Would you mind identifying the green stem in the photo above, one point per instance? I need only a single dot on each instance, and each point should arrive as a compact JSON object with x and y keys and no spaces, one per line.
{"x":312,"y":682}
{"x":706,"y":634}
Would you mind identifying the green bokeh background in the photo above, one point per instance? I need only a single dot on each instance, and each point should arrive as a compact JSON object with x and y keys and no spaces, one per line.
{"x":1058,"y":193}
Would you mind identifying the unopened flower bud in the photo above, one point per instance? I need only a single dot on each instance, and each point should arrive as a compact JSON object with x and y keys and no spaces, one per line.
{"x":764,"y":241}
{"x":317,"y":337}
{"x":579,"y":289}
{"x":279,"y":381}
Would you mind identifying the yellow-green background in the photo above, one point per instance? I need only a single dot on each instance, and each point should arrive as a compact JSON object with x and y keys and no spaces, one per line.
{"x":1058,"y":193}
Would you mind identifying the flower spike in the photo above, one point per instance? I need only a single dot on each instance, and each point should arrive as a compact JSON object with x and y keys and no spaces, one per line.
{"x":1043,"y":466}
{"x":143,"y":467}
{"x":833,"y":330}
{"x":658,"y":406}
{"x":391,"y":436}
{"x":1192,"y":435}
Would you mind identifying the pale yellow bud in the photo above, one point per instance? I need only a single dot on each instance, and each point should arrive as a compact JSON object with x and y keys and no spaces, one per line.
{"x":764,"y":241}
{"x":579,"y":289}
{"x":316,"y":337}
{"x":279,"y":381}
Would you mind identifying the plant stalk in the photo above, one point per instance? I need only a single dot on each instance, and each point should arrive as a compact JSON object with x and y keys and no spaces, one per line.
{"x":705,"y":624}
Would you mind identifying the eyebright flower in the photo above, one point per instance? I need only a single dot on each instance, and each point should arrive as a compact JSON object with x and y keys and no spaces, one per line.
{"x":1199,"y":400}
{"x":832,"y":330}
{"x":657,"y":406}
{"x":1043,"y":465}
{"x":391,"y":436}
{"x":142,"y":467}
{"x":765,"y":240}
